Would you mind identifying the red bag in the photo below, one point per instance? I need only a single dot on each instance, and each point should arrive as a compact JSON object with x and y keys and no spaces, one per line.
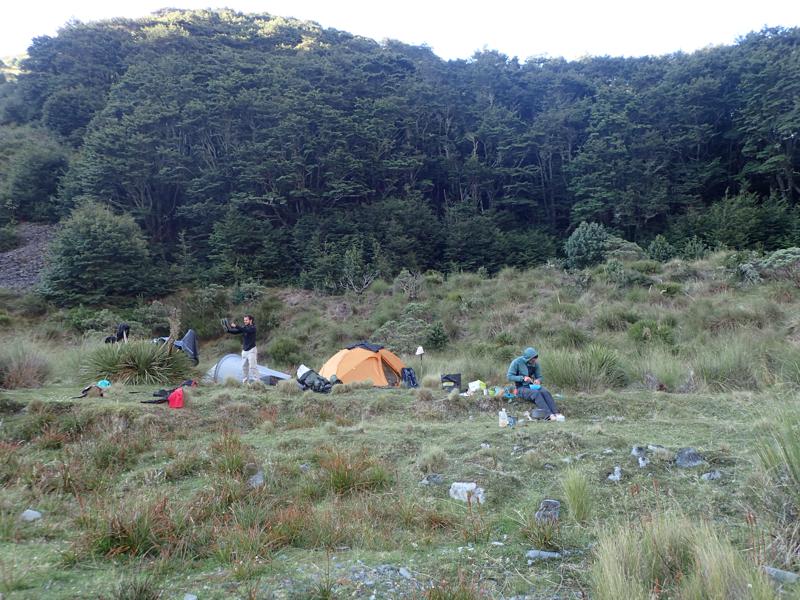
{"x":175,"y":399}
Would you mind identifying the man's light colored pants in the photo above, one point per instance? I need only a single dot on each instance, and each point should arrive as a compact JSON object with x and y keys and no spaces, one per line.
{"x":250,"y":365}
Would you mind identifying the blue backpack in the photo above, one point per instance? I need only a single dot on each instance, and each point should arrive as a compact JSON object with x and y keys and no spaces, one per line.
{"x":409,"y":377}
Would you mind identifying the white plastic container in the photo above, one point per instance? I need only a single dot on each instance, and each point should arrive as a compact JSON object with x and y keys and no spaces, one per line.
{"x":503,"y":418}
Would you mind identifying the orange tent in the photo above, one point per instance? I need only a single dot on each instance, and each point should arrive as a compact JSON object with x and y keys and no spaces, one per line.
{"x":364,"y":362}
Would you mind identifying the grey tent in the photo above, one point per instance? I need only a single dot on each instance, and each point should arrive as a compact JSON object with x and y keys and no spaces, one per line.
{"x":230,"y":367}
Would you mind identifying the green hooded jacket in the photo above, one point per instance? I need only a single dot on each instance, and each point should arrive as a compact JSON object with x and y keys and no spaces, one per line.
{"x":521,"y":368}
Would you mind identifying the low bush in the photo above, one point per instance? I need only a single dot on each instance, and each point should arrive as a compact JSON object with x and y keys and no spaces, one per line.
{"x":138,"y":363}
{"x":286,"y":351}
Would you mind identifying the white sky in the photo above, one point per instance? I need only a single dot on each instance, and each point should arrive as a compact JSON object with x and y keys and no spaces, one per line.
{"x":457,"y":28}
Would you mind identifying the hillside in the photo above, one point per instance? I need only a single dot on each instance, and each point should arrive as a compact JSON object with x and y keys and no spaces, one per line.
{"x":674,"y":470}
{"x":251,"y":146}
{"x":21,"y":267}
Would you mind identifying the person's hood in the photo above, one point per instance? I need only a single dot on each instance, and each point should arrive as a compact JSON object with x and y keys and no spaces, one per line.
{"x":529,"y":353}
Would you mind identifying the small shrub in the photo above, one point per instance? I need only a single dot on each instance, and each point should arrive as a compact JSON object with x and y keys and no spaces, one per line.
{"x":289,"y":387}
{"x":616,"y":318}
{"x":660,"y":249}
{"x":544,"y":534}
{"x":137,"y":363}
{"x":669,"y":289}
{"x":577,"y":494}
{"x":437,"y":337}
{"x":586,"y":246}
{"x":286,"y":351}
{"x":9,"y":238}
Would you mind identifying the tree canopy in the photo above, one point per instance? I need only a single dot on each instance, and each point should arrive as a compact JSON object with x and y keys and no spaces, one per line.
{"x":266,"y":147}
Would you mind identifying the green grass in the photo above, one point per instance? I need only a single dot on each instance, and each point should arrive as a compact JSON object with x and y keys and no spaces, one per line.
{"x":141,"y":500}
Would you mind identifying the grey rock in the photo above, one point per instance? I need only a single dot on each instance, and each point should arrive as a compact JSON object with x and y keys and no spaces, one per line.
{"x":30,"y":515}
{"x":688,"y":458}
{"x":467,"y":491}
{"x":781,"y":575}
{"x":638,"y":451}
{"x":486,"y":446}
{"x":189,"y":597}
{"x":616,"y":475}
{"x":256,"y":481}
{"x":657,"y":449}
{"x":404,"y":572}
{"x":548,"y":511}
{"x":541,"y":554}
{"x":432,"y":479}
{"x":643,"y":462}
{"x":608,"y":451}
{"x":711,"y":475}
{"x":305,"y":468}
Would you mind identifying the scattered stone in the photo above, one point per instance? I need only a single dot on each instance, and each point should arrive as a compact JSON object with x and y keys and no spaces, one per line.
{"x":643,"y":462}
{"x":548,"y":511}
{"x":485,"y":446}
{"x":656,"y":449}
{"x":305,"y":468}
{"x":404,"y":572}
{"x":616,"y":475}
{"x":688,"y":458}
{"x":567,"y":459}
{"x":30,"y":515}
{"x":711,"y":475}
{"x":432,"y":479}
{"x":189,"y":597}
{"x":638,"y":451}
{"x":781,"y":575}
{"x":467,"y":492}
{"x":608,"y":451}
{"x":615,"y":419}
{"x":541,"y":555}
{"x":498,"y":544}
{"x":548,"y":466}
{"x":256,"y":481}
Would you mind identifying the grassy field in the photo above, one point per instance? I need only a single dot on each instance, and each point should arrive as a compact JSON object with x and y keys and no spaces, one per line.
{"x":268,"y":492}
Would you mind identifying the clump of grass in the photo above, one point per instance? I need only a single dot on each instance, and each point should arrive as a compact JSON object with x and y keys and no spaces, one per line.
{"x":229,"y":455}
{"x":432,"y":459}
{"x":615,"y":318}
{"x":23,"y":367}
{"x":346,"y":473}
{"x":727,"y":365}
{"x":779,"y":453}
{"x":136,"y":588}
{"x":431,"y":382}
{"x":671,"y":557}
{"x":462,"y":589}
{"x":589,"y":369}
{"x":544,"y":534}
{"x":577,"y":494}
{"x":288,"y":387}
{"x":659,"y":366}
{"x":424,"y":395}
{"x":138,"y":363}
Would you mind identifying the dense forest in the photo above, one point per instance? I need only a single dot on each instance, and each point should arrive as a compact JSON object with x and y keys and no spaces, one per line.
{"x":218,"y":146}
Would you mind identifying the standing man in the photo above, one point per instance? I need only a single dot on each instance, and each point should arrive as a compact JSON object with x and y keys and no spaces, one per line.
{"x":249,"y":351}
{"x":526,"y":373}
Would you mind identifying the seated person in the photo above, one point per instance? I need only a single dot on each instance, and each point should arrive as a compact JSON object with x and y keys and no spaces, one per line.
{"x":526,"y":371}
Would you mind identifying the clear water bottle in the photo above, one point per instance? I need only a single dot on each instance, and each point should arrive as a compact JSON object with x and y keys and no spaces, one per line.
{"x":503,"y":418}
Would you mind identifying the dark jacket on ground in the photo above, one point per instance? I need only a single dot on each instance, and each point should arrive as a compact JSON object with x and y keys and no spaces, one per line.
{"x":248,"y":335}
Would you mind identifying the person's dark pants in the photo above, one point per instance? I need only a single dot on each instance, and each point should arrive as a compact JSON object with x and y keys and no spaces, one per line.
{"x":541,"y":398}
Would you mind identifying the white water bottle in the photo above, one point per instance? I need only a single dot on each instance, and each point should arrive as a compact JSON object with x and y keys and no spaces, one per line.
{"x":503,"y":418}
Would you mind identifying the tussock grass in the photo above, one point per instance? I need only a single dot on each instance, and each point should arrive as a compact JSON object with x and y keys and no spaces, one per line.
{"x":595,"y":367}
{"x":578,"y":495}
{"x":138,"y":363}
{"x":23,"y":367}
{"x":671,"y":556}
{"x":432,"y":459}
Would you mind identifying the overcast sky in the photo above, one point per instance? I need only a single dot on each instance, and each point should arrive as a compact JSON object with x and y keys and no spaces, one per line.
{"x":457,"y":28}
